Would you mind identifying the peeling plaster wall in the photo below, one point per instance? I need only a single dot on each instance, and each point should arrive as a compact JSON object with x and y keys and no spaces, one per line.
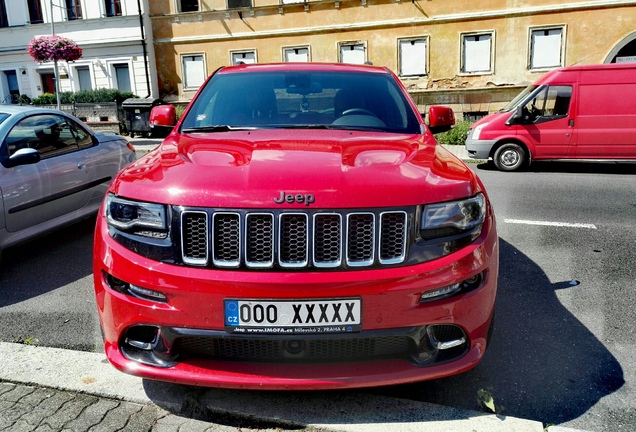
{"x":592,"y":29}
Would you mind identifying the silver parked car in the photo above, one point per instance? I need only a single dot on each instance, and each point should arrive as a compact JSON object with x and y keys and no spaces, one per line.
{"x":54,"y":170}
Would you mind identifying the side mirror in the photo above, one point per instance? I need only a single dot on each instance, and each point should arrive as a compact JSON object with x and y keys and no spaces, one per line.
{"x":163,"y":118}
{"x":517,"y":117}
{"x":23,"y":156}
{"x":440,"y":119}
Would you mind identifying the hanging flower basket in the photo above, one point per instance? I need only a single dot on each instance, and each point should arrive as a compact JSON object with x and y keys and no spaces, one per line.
{"x":48,"y":48}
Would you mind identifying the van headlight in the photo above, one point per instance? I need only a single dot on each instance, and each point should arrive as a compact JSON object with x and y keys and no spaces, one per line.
{"x":477,"y":130}
{"x":454,"y":218}
{"x":135,"y":216}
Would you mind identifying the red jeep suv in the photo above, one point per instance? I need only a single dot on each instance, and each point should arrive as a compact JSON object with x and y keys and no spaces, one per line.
{"x":299,"y":228}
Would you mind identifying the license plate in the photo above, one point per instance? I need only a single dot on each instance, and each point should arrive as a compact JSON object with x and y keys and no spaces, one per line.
{"x":293,"y":317}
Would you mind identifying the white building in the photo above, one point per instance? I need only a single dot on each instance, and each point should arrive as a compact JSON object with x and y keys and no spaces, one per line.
{"x":115,"y":36}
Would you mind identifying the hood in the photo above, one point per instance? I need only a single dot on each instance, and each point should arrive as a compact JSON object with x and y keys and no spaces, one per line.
{"x":268,"y":168}
{"x":500,"y":117}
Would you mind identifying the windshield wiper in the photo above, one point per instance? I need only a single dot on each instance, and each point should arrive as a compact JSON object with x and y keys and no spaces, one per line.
{"x":329,"y":127}
{"x":302,"y":126}
{"x":217,"y":128}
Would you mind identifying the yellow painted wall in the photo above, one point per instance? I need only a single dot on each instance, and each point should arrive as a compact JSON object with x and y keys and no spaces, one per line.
{"x":591,"y":33}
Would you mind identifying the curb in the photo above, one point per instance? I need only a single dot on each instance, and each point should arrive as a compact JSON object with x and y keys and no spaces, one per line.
{"x":459,"y":151}
{"x":90,"y":373}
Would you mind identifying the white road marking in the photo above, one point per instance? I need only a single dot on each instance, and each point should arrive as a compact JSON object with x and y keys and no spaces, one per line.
{"x":546,"y":223}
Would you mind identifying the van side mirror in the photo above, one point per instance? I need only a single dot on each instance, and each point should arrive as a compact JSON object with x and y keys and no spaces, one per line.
{"x":516,"y":117}
{"x":163,"y":118}
{"x":440,"y":119}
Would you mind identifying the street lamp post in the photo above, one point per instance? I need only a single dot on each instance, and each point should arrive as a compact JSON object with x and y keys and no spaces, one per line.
{"x":55,"y":69}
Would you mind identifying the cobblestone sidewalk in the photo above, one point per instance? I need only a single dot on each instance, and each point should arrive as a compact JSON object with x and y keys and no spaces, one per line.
{"x":26,"y":408}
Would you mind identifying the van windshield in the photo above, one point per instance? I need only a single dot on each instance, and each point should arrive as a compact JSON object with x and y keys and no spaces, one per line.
{"x":518,"y":99}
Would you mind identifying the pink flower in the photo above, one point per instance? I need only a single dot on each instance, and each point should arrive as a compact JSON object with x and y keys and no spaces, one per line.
{"x":48,"y":48}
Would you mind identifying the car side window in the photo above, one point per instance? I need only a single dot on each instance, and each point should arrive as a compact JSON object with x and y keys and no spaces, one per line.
{"x":82,"y":137}
{"x":550,"y":103}
{"x":49,"y":134}
{"x":557,"y":103}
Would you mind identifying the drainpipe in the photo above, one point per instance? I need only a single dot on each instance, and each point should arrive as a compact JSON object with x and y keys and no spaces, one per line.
{"x":143,"y":45}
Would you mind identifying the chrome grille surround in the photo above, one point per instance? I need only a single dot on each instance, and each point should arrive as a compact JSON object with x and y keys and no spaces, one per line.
{"x":293,"y":240}
{"x":360,"y":235}
{"x":194,"y":230}
{"x":327,"y":240}
{"x":259,"y":247}
{"x":392,"y":228}
{"x":266,"y":239}
{"x":226,"y":232}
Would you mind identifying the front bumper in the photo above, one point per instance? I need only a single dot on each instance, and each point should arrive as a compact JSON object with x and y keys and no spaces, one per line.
{"x":478,"y":149}
{"x":183,"y":339}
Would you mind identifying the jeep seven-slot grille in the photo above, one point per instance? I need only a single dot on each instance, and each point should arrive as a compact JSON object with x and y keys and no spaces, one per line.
{"x":238,"y":239}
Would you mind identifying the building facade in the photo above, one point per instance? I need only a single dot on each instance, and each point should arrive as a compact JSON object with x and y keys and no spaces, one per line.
{"x":115,"y":36}
{"x":474,"y":56}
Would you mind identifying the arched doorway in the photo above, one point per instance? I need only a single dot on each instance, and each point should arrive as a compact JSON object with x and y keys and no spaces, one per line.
{"x":625,"y":51}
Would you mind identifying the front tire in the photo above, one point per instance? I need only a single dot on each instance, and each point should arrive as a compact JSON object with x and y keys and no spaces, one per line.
{"x":510,"y":157}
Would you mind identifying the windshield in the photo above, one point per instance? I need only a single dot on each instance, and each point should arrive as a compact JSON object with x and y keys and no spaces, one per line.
{"x":518,"y":99}
{"x":302,"y":99}
{"x":3,"y":117}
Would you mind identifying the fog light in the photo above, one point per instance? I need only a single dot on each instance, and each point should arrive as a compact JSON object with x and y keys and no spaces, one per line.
{"x":465,"y":286}
{"x":146,"y":294}
{"x":116,"y":284}
{"x":134,"y":290}
{"x":473,"y":282}
{"x":440,"y":293}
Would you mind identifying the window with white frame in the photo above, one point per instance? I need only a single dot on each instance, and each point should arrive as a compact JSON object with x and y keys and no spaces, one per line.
{"x":477,"y":53}
{"x":84,"y":81}
{"x":73,"y":10}
{"x":122,"y":76}
{"x":35,"y":12}
{"x":243,"y":57}
{"x":412,"y":56}
{"x":112,"y":7}
{"x":546,"y":48}
{"x":353,"y":52}
{"x":193,"y":71}
{"x":188,"y":5}
{"x":296,"y":54}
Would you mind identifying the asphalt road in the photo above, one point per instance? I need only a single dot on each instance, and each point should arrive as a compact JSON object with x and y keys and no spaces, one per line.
{"x":563,"y":347}
{"x":564,"y":344}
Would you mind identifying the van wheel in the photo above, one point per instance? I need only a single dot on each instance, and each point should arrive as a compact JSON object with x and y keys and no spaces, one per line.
{"x":509,"y":157}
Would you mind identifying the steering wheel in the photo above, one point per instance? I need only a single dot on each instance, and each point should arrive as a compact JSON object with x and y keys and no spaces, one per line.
{"x":357,"y":111}
{"x":534,"y":110}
